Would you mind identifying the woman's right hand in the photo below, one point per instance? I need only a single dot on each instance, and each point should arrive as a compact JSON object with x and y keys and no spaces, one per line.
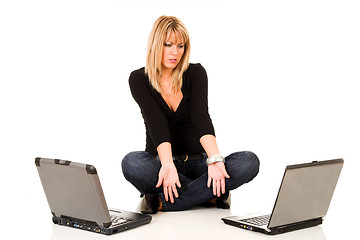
{"x":169,"y":178}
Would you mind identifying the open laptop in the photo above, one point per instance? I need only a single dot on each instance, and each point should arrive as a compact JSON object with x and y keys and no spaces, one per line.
{"x":76,"y":199}
{"x":302,"y":201}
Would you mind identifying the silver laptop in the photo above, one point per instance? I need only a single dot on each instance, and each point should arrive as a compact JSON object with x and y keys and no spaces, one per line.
{"x":302,"y":201}
{"x":76,"y":199}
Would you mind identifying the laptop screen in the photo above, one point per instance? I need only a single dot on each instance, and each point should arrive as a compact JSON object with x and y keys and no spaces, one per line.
{"x":73,"y":190}
{"x":305,"y":192}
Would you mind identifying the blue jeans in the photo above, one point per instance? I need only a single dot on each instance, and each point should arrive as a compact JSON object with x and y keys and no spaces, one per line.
{"x":141,"y":169}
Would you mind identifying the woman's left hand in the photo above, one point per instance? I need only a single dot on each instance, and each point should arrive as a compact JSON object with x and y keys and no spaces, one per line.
{"x":217,"y":174}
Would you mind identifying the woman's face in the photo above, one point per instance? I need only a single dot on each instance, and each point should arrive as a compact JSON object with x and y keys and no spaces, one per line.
{"x":173,"y":50}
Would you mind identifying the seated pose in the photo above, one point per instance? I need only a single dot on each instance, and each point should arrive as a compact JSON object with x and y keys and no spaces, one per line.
{"x":181,"y":166}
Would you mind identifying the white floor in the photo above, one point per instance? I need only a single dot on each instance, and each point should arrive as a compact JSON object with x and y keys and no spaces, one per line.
{"x":200,"y":223}
{"x":196,"y":224}
{"x":25,"y":214}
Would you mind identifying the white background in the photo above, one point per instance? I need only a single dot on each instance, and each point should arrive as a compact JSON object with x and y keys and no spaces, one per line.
{"x":282,"y":83}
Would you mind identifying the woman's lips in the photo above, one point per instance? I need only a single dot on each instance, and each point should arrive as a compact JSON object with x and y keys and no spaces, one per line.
{"x":173,"y":60}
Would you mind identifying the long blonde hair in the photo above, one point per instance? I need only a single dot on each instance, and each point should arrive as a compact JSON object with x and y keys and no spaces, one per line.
{"x":162,"y":28}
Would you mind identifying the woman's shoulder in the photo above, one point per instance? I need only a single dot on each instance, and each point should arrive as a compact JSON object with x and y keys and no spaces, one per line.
{"x":138,"y":73}
{"x":195,"y":67}
{"x":138,"y":76}
{"x":195,"y":71}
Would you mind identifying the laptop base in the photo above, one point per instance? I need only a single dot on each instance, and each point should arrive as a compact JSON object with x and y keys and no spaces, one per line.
{"x":141,"y":219}
{"x":275,"y":230}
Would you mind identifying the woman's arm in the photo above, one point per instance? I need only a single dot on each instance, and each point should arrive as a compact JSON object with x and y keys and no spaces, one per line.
{"x":157,"y":123}
{"x":204,"y":128}
{"x":168,"y":175}
{"x":208,"y":142}
{"x":216,"y":171}
{"x":154,"y":117}
{"x":199,"y":102}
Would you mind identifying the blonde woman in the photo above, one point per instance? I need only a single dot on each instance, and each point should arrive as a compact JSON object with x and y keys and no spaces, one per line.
{"x":181,"y":166}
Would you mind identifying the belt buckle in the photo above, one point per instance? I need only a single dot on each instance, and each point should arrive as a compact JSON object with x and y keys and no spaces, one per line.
{"x":186,"y":158}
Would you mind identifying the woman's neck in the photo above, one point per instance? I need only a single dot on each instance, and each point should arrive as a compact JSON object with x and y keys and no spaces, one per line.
{"x":166,"y":80}
{"x":166,"y":74}
{"x":166,"y":84}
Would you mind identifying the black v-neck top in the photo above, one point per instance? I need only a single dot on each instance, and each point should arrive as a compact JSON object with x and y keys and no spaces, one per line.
{"x":182,"y":128}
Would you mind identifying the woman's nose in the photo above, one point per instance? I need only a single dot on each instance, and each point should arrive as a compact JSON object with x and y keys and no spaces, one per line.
{"x":174,"y":50}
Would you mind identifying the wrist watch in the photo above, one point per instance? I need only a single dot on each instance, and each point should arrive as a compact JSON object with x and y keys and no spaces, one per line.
{"x":214,"y":159}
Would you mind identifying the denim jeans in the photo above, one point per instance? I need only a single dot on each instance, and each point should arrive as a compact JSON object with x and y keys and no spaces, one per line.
{"x":141,"y":169}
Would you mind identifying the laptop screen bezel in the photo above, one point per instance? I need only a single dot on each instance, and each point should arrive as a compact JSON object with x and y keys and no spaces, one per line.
{"x":299,"y":166}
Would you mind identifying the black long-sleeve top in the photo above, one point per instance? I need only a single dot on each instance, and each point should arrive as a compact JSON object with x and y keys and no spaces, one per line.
{"x":182,"y":128}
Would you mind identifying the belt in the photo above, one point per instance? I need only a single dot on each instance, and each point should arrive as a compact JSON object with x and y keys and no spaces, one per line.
{"x":189,"y":157}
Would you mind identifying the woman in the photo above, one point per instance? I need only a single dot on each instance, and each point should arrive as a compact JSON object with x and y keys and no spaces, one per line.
{"x":181,"y":152}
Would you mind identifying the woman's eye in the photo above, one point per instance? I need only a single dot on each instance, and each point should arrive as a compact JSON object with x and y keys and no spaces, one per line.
{"x":180,"y":46}
{"x":167,"y":45}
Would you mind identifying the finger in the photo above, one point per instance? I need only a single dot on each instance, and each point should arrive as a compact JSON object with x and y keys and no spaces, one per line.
{"x":209,"y":182}
{"x":214,"y":186}
{"x":176,"y":194}
{"x":178,"y":184}
{"x":166,"y":194}
{"x":218,"y":188}
{"x":223,"y":170}
{"x":223,"y":186}
{"x":159,"y":182}
{"x":171,"y":195}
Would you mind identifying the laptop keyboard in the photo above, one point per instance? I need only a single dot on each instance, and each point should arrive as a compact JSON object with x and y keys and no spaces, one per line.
{"x":258,"y":221}
{"x":116,"y":220}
